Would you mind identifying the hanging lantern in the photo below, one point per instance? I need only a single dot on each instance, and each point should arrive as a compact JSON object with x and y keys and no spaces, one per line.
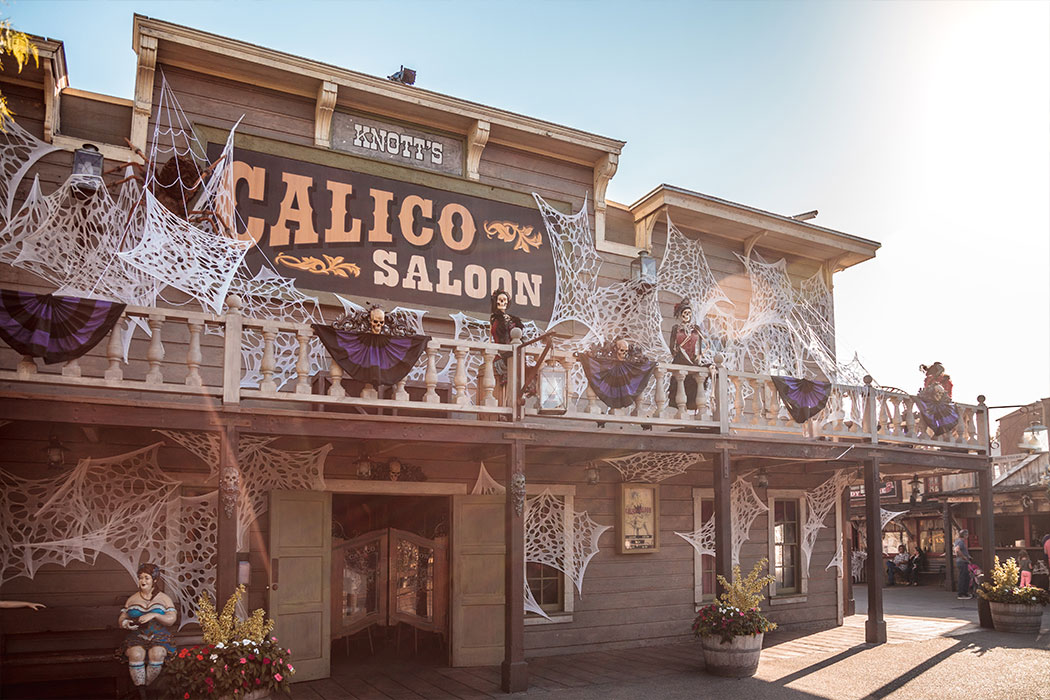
{"x":643,"y":268}
{"x":56,"y":453}
{"x":364,"y":469}
{"x":915,"y":485}
{"x":1034,"y":438}
{"x":87,"y":169}
{"x":553,"y":390}
{"x":592,"y":474}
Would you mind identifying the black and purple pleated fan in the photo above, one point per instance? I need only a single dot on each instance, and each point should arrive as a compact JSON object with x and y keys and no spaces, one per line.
{"x":803,"y":398}
{"x":617,"y":382}
{"x":57,"y":329}
{"x":370,"y":358}
{"x":940,"y":416}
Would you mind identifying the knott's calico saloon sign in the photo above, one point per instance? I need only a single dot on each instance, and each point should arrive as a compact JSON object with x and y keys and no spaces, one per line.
{"x":380,"y":239}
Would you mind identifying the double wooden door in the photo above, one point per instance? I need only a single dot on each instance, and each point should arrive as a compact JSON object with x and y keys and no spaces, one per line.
{"x":389,"y":576}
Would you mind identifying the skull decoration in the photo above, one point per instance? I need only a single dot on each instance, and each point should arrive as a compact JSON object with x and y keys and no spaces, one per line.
{"x":502,"y":301}
{"x":687,"y":316}
{"x":622,"y":348}
{"x":517,"y":491}
{"x":376,"y":320}
{"x":395,"y":470}
{"x":230,"y":489}
{"x":364,"y":469}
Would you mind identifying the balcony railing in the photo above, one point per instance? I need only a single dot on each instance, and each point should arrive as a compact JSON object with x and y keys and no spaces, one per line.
{"x":195,"y":353}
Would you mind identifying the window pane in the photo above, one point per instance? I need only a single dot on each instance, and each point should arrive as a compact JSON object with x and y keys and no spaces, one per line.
{"x":790,"y":534}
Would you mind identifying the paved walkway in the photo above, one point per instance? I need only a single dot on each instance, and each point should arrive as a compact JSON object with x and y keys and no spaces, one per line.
{"x":935,"y":650}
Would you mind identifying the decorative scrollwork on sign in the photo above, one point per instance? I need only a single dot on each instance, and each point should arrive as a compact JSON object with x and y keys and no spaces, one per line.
{"x":508,"y":231}
{"x":331,"y":265}
{"x":517,"y":492}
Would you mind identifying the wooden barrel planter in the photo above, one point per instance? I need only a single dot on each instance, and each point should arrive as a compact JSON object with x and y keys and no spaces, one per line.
{"x":735,"y":659}
{"x":1016,"y":617}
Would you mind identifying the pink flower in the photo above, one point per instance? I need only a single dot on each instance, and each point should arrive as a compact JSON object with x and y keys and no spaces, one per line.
{"x":244,"y":660}
{"x":278,"y":677}
{"x":266,"y":661}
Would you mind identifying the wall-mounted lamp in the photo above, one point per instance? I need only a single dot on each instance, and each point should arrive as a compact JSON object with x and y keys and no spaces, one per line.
{"x":762,"y":480}
{"x":553,"y":390}
{"x":56,"y":453}
{"x":592,"y":474}
{"x":87,"y":169}
{"x":364,"y":468}
{"x":643,"y":268}
{"x":915,"y":484}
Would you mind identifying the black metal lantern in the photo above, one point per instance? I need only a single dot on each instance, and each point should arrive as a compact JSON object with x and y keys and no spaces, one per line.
{"x":56,"y":453}
{"x":88,"y":164}
{"x":643,"y":268}
{"x":915,"y":484}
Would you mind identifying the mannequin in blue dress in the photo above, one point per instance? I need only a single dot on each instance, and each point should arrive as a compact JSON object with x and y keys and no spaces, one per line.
{"x":147,"y":615}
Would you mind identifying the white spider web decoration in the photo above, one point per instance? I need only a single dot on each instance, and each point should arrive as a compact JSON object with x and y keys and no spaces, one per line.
{"x":486,"y":485}
{"x":887,"y":515}
{"x":34,"y":211}
{"x":856,"y":565}
{"x":630,"y":309}
{"x":745,"y":506}
{"x":545,"y":537}
{"x":819,"y":502}
{"x":653,"y":467}
{"x":703,"y":540}
{"x":18,"y":151}
{"x":684,"y":271}
{"x":836,"y":561}
{"x":576,"y":263}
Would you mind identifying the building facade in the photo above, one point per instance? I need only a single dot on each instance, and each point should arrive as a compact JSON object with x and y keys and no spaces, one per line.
{"x":470,"y":499}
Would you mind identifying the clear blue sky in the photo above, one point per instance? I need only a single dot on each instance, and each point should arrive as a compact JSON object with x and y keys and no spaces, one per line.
{"x":923,"y":125}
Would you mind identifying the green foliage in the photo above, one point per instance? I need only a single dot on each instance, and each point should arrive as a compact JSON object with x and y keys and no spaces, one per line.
{"x":1003,"y":587}
{"x":17,"y":45}
{"x":737,"y":613}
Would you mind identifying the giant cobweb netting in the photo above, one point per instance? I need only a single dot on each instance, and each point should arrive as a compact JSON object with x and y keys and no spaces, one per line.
{"x":885,"y":516}
{"x":576,"y":263}
{"x":485,"y":484}
{"x":123,"y":506}
{"x":684,"y":271}
{"x":263,"y":468}
{"x":819,"y":502}
{"x":19,"y":150}
{"x":744,"y":506}
{"x":652,"y":467}
{"x":557,"y":537}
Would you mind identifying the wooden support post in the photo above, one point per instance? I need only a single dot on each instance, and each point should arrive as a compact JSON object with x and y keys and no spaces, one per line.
{"x":875,"y":626}
{"x":849,"y":604}
{"x":723,"y":516}
{"x":229,"y":493}
{"x":987,"y":537}
{"x":515,"y":670}
{"x":949,"y":552}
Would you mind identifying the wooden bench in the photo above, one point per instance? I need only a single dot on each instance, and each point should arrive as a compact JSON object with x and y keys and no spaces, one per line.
{"x":53,"y":651}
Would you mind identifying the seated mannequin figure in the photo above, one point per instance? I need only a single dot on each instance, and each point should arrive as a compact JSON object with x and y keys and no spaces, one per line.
{"x":501,"y":322}
{"x":685,"y":350}
{"x":147,"y":615}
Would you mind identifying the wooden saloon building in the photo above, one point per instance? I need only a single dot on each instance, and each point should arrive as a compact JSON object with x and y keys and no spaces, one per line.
{"x":439,"y":506}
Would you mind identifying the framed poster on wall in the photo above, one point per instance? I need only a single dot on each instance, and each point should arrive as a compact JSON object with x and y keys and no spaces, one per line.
{"x":638,"y":521}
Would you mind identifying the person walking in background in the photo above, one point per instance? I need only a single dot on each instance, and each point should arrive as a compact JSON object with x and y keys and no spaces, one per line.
{"x":962,"y":566}
{"x":1025,"y":565}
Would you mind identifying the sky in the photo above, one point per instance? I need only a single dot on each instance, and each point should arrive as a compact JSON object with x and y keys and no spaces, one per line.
{"x":922,"y":125}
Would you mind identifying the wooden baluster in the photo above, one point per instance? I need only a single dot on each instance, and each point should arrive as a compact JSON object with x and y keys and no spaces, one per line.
{"x":155,"y":354}
{"x":703,"y":393}
{"x":567,"y":362}
{"x":592,"y":400}
{"x":895,"y":420}
{"x":72,"y":368}
{"x":27,"y":367}
{"x":909,"y":417}
{"x":268,"y":364}
{"x":771,"y":402}
{"x":400,"y":393}
{"x":430,"y":378}
{"x":114,"y":354}
{"x":336,"y":373}
{"x":302,"y":364}
{"x":660,"y":392}
{"x":368,"y":391}
{"x":884,"y":415}
{"x":193,"y":355}
{"x":488,"y":378}
{"x":459,"y":379}
{"x":639,"y":403}
{"x":681,"y":410}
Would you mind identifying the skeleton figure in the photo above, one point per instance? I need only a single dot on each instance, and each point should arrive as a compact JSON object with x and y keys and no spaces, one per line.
{"x":395,"y":470}
{"x":685,"y":350}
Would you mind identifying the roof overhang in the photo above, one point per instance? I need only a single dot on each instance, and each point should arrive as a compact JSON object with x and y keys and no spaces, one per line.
{"x":749,"y":226}
{"x":211,"y":54}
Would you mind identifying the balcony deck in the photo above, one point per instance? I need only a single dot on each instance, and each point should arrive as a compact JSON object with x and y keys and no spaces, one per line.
{"x":190,"y":353}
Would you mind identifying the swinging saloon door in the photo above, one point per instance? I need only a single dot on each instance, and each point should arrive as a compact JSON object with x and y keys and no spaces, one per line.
{"x":300,"y":566}
{"x":477,"y":580}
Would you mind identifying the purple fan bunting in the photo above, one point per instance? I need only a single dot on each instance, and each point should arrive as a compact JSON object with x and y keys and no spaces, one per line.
{"x":617,"y":382}
{"x":803,"y":398}
{"x":57,"y":329}
{"x":370,"y":358}
{"x":940,"y":416}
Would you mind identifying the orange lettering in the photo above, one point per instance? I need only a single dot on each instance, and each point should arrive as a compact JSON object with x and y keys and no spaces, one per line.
{"x":295,"y":207}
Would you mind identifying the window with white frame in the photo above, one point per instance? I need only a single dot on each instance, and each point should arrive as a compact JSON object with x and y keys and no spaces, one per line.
{"x":704,"y":581}
{"x":787,"y":514}
{"x":551,"y":589}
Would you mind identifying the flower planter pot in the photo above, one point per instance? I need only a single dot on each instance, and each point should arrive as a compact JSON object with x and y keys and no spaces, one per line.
{"x":1016,"y":617}
{"x":737,"y":658}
